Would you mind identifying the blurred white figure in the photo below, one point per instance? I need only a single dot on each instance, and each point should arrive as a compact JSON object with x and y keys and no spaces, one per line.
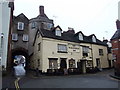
{"x":19,"y":70}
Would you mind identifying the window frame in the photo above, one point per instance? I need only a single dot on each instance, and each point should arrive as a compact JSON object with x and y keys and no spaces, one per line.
{"x":20,"y":27}
{"x":85,"y":51}
{"x":58,"y":32}
{"x":93,"y":39}
{"x":39,"y":46}
{"x":72,"y":63}
{"x":60,"y":48}
{"x":54,"y":65}
{"x":80,"y":36}
{"x":101,"y":53}
{"x":49,"y":25}
{"x":14,"y":35}
{"x":25,"y":38}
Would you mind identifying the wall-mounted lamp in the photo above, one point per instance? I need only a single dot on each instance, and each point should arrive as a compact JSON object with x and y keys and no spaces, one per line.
{"x":2,"y":34}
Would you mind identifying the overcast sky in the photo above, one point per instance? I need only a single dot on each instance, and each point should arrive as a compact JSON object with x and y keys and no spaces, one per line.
{"x":89,"y":16}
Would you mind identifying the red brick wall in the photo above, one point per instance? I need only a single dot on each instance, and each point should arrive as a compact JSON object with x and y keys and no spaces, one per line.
{"x":116,"y":51}
{"x":116,"y":48}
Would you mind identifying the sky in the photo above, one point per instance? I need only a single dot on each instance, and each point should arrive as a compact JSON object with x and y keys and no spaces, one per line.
{"x":89,"y":16}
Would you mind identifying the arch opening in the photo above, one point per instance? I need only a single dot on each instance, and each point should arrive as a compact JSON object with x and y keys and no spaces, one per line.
{"x":18,"y":55}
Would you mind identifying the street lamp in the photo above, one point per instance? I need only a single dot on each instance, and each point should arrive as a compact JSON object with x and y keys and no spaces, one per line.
{"x":0,"y":60}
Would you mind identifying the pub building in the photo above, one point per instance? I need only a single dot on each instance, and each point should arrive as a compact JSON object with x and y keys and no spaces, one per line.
{"x":53,"y":50}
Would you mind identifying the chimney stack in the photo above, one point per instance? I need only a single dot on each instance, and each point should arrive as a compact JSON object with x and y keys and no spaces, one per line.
{"x":71,"y":30}
{"x":41,"y":10}
{"x":118,"y":24}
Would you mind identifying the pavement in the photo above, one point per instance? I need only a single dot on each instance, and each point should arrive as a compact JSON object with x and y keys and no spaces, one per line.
{"x":114,"y":76}
{"x":97,"y":80}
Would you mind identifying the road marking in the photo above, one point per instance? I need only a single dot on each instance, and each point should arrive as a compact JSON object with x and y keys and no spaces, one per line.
{"x":16,"y":84}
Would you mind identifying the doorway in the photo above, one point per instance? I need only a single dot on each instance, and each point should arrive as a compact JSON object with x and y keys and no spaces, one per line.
{"x":98,"y":62}
{"x":63,"y":64}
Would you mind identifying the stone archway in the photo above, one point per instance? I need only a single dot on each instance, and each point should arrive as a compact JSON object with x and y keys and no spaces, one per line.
{"x":20,"y":51}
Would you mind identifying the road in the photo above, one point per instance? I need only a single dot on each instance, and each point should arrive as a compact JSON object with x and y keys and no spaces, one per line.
{"x":98,"y":80}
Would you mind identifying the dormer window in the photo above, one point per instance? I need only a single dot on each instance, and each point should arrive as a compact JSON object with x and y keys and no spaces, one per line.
{"x":93,"y":39}
{"x":20,"y":26}
{"x":58,"y":32}
{"x":80,"y":36}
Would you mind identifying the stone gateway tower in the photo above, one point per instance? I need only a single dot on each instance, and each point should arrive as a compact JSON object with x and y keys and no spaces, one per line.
{"x":39,"y":22}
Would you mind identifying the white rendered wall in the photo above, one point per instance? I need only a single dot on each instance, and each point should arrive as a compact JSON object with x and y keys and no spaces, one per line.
{"x":4,"y":28}
{"x":119,"y":11}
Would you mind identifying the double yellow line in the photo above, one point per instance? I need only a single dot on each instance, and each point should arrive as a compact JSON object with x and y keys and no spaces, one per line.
{"x":16,"y":84}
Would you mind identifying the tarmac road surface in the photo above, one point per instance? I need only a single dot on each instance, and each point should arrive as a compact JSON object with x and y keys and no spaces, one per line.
{"x":98,"y":80}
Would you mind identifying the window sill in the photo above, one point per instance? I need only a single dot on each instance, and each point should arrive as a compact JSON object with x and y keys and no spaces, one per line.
{"x":61,"y":52}
{"x":14,"y":40}
{"x":101,"y":55}
{"x":25,"y":41}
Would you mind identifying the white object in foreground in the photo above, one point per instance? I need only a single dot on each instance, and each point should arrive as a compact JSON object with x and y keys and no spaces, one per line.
{"x":19,"y":70}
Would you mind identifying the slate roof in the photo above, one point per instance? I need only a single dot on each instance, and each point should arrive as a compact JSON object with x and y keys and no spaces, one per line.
{"x":21,"y":17}
{"x":72,"y":37}
{"x":116,"y":35}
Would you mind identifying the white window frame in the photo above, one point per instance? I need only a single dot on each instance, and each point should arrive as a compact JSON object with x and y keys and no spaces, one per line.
{"x":20,"y":27}
{"x":80,"y":36}
{"x":14,"y":36}
{"x":58,"y":32}
{"x":25,"y":37}
{"x":62,"y":48}
{"x":93,"y":39}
